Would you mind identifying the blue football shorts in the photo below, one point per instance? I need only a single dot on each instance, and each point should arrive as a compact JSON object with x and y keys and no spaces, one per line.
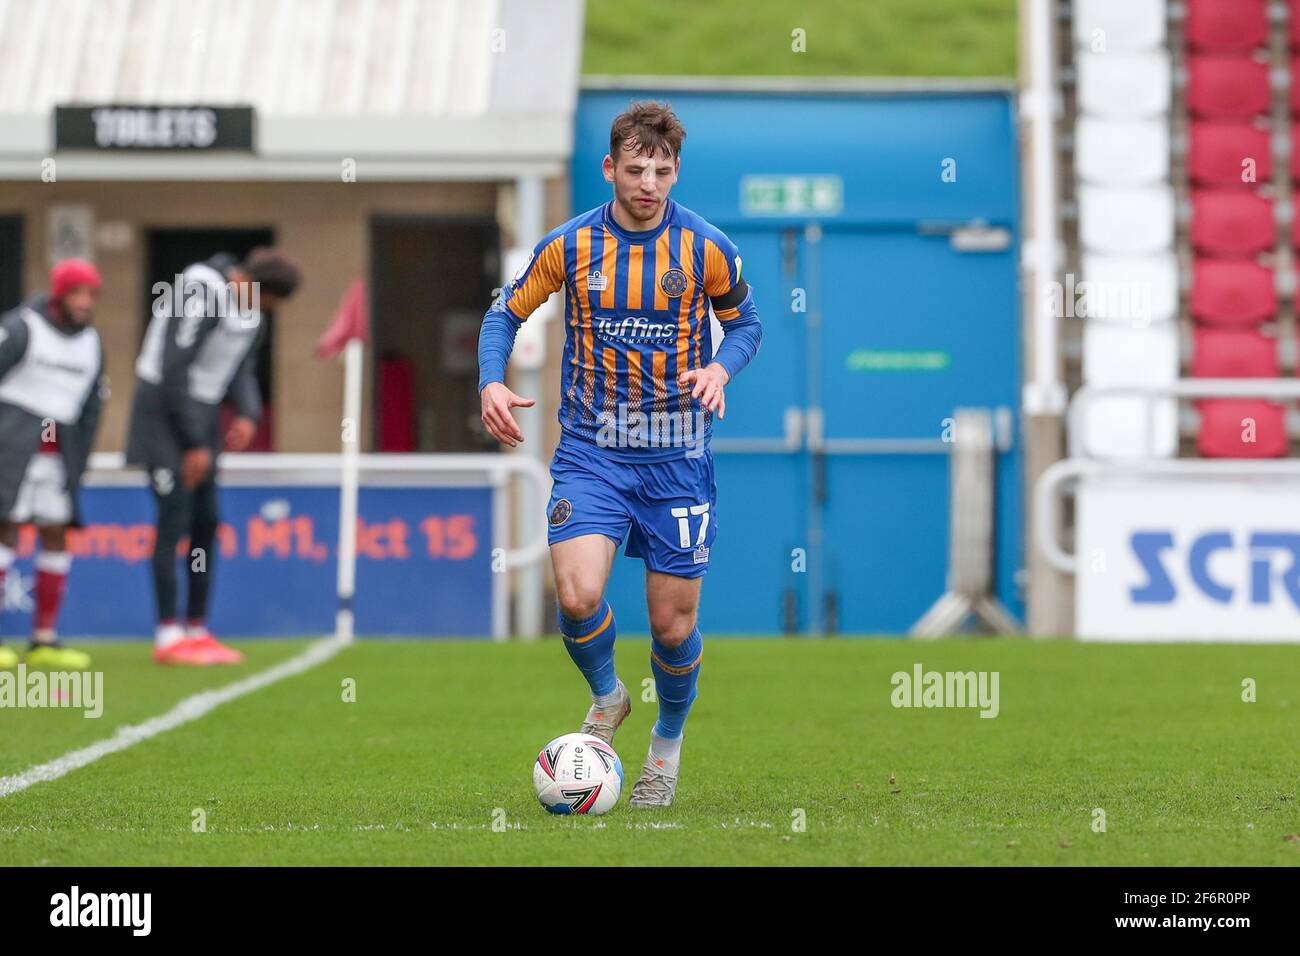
{"x":665,"y":509}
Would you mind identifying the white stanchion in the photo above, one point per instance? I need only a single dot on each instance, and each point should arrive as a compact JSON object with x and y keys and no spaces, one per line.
{"x":353,"y":355}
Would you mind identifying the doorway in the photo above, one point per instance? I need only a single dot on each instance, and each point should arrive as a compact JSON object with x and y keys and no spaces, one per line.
{"x":432,"y":279}
{"x":11,"y":261}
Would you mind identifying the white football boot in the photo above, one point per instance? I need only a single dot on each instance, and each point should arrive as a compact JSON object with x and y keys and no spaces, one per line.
{"x":656,"y":785}
{"x":603,"y":721}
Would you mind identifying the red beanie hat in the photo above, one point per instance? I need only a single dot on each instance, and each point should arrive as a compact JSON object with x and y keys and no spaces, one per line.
{"x":69,"y":274}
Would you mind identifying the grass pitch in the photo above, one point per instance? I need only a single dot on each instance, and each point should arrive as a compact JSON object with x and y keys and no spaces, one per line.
{"x":439,"y":743}
{"x":923,"y":38}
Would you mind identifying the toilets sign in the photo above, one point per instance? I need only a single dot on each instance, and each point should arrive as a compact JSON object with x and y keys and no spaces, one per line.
{"x":154,"y":128}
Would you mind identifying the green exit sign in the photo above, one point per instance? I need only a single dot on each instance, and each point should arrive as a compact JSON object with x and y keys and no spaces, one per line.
{"x":813,"y":194}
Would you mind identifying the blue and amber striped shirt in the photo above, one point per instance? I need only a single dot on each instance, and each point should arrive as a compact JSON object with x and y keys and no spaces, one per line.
{"x":636,"y":314}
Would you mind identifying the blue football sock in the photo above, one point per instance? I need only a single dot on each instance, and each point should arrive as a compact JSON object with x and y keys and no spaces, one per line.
{"x":677,"y":671}
{"x":590,"y":642}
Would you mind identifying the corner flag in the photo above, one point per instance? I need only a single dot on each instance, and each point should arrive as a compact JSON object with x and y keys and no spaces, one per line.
{"x":351,"y":321}
{"x":347,"y":335}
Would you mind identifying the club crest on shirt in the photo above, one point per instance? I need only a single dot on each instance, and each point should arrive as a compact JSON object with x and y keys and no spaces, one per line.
{"x":597,"y":281}
{"x":560,"y":512}
{"x":673,"y":283}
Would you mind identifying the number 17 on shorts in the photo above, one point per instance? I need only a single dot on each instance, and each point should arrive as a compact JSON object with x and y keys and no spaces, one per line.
{"x":685,"y":518}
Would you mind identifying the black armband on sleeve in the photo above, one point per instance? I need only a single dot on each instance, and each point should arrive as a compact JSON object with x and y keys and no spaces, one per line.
{"x":731,"y":298}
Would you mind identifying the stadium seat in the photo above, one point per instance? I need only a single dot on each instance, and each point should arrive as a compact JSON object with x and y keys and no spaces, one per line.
{"x":1227,"y":87}
{"x":1124,"y":85}
{"x":1130,"y":221}
{"x":1117,"y":282}
{"x":1293,"y":23}
{"x":1233,"y":353}
{"x":1226,"y":26}
{"x":1119,"y":26}
{"x":1241,"y":428}
{"x":1228,"y":294}
{"x":1219,"y":151}
{"x":1295,"y":86}
{"x":1123,"y":426}
{"x":1232,"y":223}
{"x":1121,"y":152}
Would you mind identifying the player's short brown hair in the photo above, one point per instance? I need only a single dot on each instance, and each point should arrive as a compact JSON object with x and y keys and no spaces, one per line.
{"x":646,"y":129}
{"x":273,"y":271}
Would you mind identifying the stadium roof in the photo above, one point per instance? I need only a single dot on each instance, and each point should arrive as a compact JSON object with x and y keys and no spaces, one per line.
{"x":453,"y":87}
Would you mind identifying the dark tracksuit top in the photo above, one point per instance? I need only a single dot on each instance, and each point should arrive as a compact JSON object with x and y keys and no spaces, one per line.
{"x":193,"y":358}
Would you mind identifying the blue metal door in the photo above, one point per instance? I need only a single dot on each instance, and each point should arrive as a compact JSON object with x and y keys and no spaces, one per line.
{"x":760,"y":458}
{"x":887,"y":303}
{"x":832,"y":463}
{"x":761,"y":468}
{"x":914,"y":323}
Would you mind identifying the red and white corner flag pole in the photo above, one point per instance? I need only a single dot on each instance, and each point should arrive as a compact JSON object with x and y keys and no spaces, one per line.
{"x":348,"y":335}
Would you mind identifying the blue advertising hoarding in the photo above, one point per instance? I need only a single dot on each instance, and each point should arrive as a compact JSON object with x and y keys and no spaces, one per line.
{"x":423,"y":563}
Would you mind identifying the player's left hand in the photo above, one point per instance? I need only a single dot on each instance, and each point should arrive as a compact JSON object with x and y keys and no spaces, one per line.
{"x":706,"y":384}
{"x":241,"y":433}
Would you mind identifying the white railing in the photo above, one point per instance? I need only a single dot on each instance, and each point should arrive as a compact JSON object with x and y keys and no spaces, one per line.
{"x":1271,"y":388}
{"x":1052,"y":483}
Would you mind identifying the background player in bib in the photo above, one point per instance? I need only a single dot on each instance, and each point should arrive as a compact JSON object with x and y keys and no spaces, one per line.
{"x":640,"y":383}
{"x":51,"y":372}
{"x":200,"y":350}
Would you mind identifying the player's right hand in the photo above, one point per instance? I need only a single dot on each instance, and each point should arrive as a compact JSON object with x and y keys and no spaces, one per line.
{"x":497,"y":400}
{"x":195,"y":465}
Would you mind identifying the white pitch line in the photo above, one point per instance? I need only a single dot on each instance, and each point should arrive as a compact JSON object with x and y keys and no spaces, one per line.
{"x":191,"y":708}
